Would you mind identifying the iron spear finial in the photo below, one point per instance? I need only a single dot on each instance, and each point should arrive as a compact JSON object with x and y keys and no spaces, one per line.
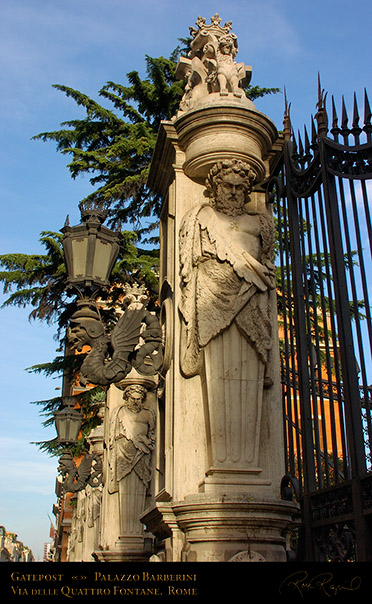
{"x":321,"y":115}
{"x":287,"y":130}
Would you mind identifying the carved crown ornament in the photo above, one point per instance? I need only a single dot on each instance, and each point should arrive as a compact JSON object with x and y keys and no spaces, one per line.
{"x":214,"y":27}
{"x":210,"y":67}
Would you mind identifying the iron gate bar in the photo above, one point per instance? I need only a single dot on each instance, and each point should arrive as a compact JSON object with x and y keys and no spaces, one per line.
{"x":349,"y":376}
{"x":326,"y":397}
{"x":361,"y":262}
{"x":354,"y":288}
{"x":301,"y":357}
{"x":288,"y":335}
{"x":367,"y":213}
{"x":335,"y":347}
{"x":307,"y":298}
{"x":345,"y":336}
{"x":328,"y":362}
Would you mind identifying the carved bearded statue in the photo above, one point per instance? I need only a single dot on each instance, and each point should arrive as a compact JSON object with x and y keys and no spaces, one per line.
{"x":131,"y":442}
{"x":227,"y":267}
{"x":227,"y":273}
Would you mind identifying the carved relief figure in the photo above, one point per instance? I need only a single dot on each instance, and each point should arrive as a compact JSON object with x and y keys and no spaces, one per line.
{"x":227,"y":266}
{"x":227,"y":273}
{"x":132,"y":436}
{"x":223,"y":69}
{"x":76,"y":478}
{"x":131,"y":442}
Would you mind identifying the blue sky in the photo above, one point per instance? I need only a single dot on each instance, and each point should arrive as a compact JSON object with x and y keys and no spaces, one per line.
{"x":83,"y":44}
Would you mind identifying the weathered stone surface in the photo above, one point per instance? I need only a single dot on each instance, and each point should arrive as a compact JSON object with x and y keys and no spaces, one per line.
{"x":134,"y":341}
{"x":130,"y":423}
{"x":220,"y":410}
{"x":227,"y":273}
{"x":85,"y":525}
{"x":204,"y":479}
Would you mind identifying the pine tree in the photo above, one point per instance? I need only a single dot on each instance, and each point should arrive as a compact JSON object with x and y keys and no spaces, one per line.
{"x":114,"y":146}
{"x":38,"y":279}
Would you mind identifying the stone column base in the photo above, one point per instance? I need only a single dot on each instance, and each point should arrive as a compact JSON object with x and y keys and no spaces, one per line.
{"x":128,"y":548}
{"x":224,"y":528}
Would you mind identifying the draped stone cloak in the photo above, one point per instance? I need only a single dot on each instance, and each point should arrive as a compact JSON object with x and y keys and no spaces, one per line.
{"x":222,"y":283}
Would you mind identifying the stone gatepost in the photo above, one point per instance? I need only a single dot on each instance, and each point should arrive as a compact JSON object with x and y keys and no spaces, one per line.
{"x":220,"y":453}
{"x":128,"y":469}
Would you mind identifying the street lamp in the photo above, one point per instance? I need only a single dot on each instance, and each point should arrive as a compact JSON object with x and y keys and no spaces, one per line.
{"x":75,"y":478}
{"x":135,"y":340}
{"x":68,"y":422}
{"x":90,"y":250}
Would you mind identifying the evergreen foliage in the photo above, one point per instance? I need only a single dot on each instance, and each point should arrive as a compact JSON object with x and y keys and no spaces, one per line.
{"x":39,"y":280}
{"x":89,"y":401}
{"x":115,"y":146}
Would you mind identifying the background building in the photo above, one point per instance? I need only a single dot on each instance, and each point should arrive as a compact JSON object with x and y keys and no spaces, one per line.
{"x":13,"y":550}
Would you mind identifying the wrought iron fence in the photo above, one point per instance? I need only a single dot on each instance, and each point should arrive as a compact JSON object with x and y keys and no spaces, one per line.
{"x":320,"y":189}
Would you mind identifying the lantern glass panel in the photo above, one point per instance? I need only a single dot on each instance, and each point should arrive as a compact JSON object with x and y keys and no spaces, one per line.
{"x":102,"y":258}
{"x":79,"y":257}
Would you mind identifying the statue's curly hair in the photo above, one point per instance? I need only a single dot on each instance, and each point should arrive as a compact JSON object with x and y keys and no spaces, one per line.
{"x":228,"y":166}
{"x":136,"y":387}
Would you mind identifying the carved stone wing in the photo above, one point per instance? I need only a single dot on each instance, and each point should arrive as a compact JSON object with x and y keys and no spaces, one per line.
{"x":125,"y":335}
{"x":244,"y":74}
{"x":95,"y":477}
{"x":83,"y":473}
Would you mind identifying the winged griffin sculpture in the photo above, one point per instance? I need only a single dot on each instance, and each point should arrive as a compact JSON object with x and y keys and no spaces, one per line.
{"x":135,"y":341}
{"x":76,"y":478}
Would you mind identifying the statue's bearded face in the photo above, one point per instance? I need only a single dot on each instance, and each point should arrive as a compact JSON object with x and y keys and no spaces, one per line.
{"x":231,"y":193}
{"x":134,"y":401}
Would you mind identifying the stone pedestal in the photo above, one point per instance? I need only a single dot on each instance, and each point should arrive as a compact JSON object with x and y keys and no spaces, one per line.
{"x":220,"y":450}
{"x":220,"y":129}
{"x":222,"y":528}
